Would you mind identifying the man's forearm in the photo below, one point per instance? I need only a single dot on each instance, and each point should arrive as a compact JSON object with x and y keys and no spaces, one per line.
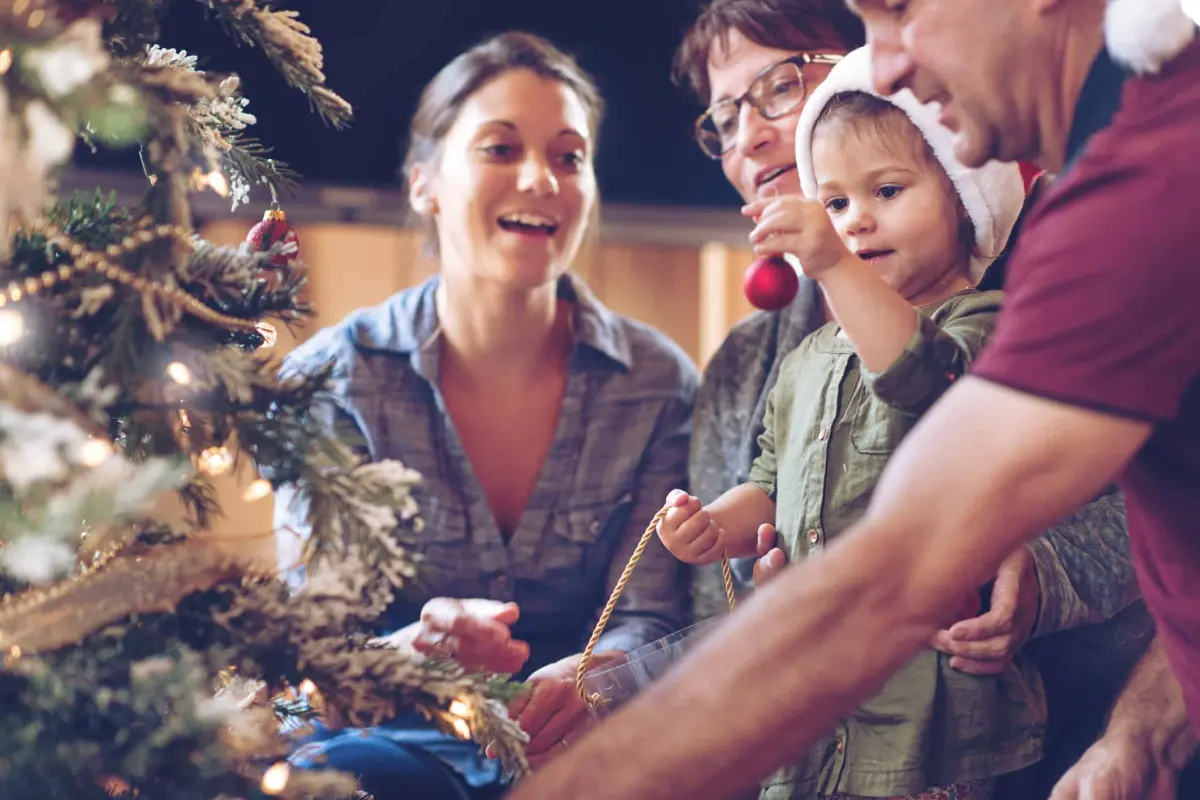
{"x":714,"y":711}
{"x":1151,"y":710}
{"x":809,"y":647}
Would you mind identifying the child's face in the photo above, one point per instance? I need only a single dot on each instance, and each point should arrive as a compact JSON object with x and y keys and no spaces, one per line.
{"x":891,"y":202}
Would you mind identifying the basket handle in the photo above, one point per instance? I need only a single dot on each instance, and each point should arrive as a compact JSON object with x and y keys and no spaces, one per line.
{"x":586,"y":659}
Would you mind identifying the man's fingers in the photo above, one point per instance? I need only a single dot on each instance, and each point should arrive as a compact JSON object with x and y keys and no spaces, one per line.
{"x":998,"y":647}
{"x":973,"y":666}
{"x":1067,"y":788}
{"x":998,"y":621}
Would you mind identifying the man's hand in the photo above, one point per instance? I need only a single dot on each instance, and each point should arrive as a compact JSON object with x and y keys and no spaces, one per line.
{"x":985,"y":645}
{"x":771,"y":559}
{"x":1117,"y":768}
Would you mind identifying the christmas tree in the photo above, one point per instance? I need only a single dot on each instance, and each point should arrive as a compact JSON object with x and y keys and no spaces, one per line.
{"x":135,"y":360}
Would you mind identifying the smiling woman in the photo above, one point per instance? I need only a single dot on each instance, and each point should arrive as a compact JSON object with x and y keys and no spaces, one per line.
{"x":547,"y":429}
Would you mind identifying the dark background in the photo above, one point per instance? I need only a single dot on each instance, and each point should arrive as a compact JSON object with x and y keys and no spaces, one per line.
{"x":380,"y":53}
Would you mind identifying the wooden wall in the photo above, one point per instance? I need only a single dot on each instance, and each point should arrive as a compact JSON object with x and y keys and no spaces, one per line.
{"x":691,"y":293}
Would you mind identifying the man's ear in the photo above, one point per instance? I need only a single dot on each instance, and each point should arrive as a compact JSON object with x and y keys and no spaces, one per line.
{"x":420,"y":191}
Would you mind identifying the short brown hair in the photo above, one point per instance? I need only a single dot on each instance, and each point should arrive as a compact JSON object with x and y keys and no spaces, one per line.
{"x":781,"y":24}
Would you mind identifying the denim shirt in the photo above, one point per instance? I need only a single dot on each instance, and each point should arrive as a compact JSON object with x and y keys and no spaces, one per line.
{"x":620,"y":446}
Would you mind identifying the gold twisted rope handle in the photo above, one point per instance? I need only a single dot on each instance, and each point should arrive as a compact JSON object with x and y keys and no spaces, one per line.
{"x":586,"y":658}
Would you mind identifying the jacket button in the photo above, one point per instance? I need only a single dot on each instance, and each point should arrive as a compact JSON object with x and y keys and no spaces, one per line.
{"x":822,"y":434}
{"x":814,"y":536}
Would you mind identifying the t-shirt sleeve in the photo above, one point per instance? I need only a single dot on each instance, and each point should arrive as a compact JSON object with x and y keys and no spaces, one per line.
{"x":1103,"y":297}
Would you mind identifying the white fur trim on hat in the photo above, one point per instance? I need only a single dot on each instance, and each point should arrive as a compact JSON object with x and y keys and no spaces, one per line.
{"x":992,"y":195}
{"x":1146,"y":34}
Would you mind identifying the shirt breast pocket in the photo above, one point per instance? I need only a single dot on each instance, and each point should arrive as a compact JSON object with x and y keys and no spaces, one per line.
{"x":876,"y":428}
{"x":584,"y":538}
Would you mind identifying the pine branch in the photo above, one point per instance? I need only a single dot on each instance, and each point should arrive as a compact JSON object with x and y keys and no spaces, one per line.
{"x":292,"y":51}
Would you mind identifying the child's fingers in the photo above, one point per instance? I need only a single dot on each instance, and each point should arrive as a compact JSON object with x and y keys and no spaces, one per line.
{"x":677,"y":497}
{"x":680,"y":514}
{"x":693,"y":528}
{"x":707,"y":547}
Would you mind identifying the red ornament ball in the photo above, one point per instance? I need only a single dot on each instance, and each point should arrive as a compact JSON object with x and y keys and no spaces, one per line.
{"x":273,"y":230}
{"x":770,"y":283}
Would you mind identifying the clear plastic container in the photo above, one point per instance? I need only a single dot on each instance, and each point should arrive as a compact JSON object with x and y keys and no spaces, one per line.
{"x":614,"y":680}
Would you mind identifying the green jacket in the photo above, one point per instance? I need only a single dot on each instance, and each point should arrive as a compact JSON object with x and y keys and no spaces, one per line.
{"x":831,"y":427}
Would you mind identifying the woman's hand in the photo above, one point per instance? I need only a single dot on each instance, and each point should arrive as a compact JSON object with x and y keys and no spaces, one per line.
{"x":473,"y":632}
{"x":551,"y":712}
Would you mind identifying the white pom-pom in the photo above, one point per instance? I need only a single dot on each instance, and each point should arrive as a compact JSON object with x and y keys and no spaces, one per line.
{"x":1146,"y":34}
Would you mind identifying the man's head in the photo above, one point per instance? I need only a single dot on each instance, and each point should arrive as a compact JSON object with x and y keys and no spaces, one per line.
{"x":738,"y":54}
{"x":1007,"y":74}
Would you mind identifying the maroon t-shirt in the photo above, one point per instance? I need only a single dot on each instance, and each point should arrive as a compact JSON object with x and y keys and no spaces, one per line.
{"x":1103,"y":311}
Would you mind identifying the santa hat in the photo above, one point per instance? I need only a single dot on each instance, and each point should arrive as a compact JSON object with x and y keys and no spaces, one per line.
{"x":992,"y":195}
{"x":1146,"y":34}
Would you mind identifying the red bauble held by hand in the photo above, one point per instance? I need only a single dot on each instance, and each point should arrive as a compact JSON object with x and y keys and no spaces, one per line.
{"x":770,"y":283}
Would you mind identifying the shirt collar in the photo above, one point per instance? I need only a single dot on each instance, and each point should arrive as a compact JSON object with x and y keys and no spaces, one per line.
{"x":1097,"y":104}
{"x":407,"y":322}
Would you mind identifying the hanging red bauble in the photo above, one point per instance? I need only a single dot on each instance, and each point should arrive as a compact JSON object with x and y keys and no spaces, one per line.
{"x":273,"y":230}
{"x":770,"y":283}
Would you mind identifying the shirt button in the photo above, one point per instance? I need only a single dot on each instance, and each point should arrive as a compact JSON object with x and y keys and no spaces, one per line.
{"x":841,"y":746}
{"x":814,"y":536}
{"x":822,"y":434}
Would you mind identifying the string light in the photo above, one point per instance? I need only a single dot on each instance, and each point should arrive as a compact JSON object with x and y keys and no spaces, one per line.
{"x":12,"y":326}
{"x":214,"y":180}
{"x":6,"y":60}
{"x":461,"y":711}
{"x":179,"y":372}
{"x":462,"y":728}
{"x":214,"y":461}
{"x":257,"y":491}
{"x":94,"y":452}
{"x":275,"y":779}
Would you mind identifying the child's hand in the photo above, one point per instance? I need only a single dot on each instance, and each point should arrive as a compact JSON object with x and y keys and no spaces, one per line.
{"x":688,"y":531}
{"x":793,"y":224}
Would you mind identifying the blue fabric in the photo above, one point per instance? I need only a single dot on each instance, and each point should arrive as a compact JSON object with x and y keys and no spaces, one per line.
{"x":406,"y":758}
{"x":620,"y":446}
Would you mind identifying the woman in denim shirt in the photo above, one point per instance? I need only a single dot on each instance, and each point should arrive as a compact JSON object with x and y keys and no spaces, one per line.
{"x":547,"y":428}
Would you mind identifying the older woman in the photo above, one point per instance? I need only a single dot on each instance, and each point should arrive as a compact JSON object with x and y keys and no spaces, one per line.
{"x":547,"y":428}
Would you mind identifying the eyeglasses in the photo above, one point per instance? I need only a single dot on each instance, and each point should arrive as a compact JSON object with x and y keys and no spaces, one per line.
{"x":777,"y":90}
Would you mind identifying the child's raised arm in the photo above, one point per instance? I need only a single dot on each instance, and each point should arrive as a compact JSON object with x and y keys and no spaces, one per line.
{"x":878,"y":320}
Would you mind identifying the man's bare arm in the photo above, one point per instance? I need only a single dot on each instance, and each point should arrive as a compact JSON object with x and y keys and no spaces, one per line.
{"x":1147,"y":743}
{"x":986,"y":469}
{"x":1151,"y":711}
